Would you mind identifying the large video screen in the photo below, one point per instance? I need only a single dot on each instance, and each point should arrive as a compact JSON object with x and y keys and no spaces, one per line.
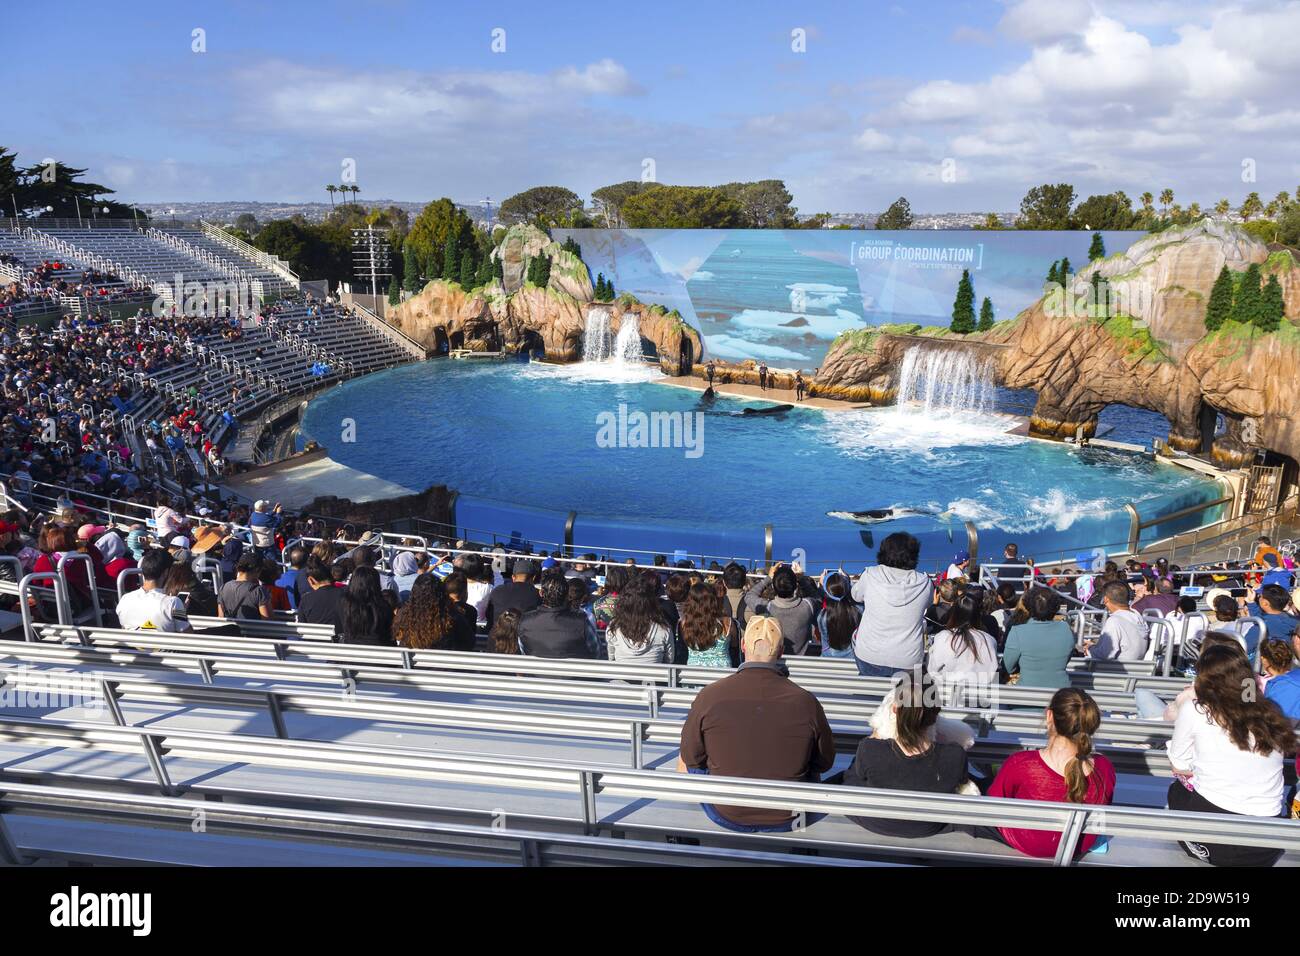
{"x":784,"y":295}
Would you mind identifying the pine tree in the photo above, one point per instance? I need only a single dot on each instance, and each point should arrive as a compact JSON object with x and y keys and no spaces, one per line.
{"x":1245,"y":309}
{"x":1065,"y":272}
{"x":963,"y":307}
{"x":433,"y":267}
{"x":394,"y":291}
{"x":1272,"y":306}
{"x":1219,"y":309}
{"x":483,"y":276}
{"x":1054,"y":274}
{"x":498,"y":269}
{"x":466,"y":272}
{"x":1097,"y":249}
{"x":543,"y":271}
{"x":986,"y":315}
{"x":451,"y":260}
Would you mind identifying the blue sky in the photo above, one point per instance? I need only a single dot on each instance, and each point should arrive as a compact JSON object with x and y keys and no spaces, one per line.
{"x":956,"y":104}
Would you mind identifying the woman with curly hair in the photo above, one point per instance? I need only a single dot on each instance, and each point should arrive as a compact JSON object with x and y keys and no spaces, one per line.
{"x":1227,"y":753}
{"x":637,"y":631}
{"x":709,"y":632}
{"x":431,"y":620}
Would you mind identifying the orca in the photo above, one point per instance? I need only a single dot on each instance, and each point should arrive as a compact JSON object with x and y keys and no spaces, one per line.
{"x":771,"y":410}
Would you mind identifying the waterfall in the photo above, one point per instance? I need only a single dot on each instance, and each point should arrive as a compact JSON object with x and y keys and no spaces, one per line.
{"x":627,"y":347}
{"x":599,"y":344}
{"x":597,"y":341}
{"x":946,"y":381}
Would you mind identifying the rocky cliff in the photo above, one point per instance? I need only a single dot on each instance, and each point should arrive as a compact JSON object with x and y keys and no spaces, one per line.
{"x":1151,"y":349}
{"x":513,"y":314}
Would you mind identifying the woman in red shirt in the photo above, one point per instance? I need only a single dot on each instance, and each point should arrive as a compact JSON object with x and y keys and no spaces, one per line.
{"x":1065,"y":771}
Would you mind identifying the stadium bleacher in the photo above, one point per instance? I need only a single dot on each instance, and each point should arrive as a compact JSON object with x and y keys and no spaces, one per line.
{"x":335,"y":754}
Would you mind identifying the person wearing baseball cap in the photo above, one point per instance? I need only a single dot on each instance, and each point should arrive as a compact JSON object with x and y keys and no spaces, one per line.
{"x":960,"y":567}
{"x":517,"y":594}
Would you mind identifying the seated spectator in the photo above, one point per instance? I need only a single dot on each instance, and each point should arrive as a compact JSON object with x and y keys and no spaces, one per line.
{"x":894,"y":598}
{"x":757,"y":723}
{"x":910,"y":760}
{"x":961,"y":651}
{"x":149,"y":608}
{"x":1124,"y":635}
{"x":637,"y":632}
{"x":1272,"y":605}
{"x":1284,"y":688}
{"x":710,"y":633}
{"x":517,"y":594}
{"x":406,"y":569}
{"x":1228,"y":619}
{"x":268,"y":577}
{"x":1276,"y":659}
{"x":367,"y":613}
{"x":1227,"y":754}
{"x":112,"y":549}
{"x":795,"y":614}
{"x":1041,"y":646}
{"x":504,"y":638}
{"x":245,"y":598}
{"x":553,"y":630}
{"x":1163,"y":600}
{"x":839,"y":618}
{"x":1066,"y":770}
{"x":323,"y":603}
{"x":200,"y":600}
{"x":733,"y":575}
{"x":431,"y":620}
{"x":1152,"y":707}
{"x":294,"y":579}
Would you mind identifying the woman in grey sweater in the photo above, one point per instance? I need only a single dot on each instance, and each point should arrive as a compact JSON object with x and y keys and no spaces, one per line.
{"x":637,"y":631}
{"x":894,"y":598}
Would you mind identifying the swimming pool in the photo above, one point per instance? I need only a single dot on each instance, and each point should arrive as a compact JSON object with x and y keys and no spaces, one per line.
{"x":527,"y":444}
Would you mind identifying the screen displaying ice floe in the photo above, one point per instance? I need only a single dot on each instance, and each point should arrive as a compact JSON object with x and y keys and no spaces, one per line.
{"x":784,"y":295}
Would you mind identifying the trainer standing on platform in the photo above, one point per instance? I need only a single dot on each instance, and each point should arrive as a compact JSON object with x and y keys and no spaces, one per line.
{"x":798,"y":386}
{"x":709,"y":370}
{"x":762,"y":376}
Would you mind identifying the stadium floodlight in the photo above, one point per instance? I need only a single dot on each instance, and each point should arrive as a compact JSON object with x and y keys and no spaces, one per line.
{"x":371,"y":256}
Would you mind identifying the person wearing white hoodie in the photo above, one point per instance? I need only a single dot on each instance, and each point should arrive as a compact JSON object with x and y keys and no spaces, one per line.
{"x":894,"y":598}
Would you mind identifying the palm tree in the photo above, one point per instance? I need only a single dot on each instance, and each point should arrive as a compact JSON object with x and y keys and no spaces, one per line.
{"x":354,"y":189}
{"x":1146,"y":203}
{"x":1194,"y":211}
{"x":1283,"y":199}
{"x":1222,"y":207}
{"x":331,"y":189}
{"x":1252,"y":206}
{"x":1166,"y":197}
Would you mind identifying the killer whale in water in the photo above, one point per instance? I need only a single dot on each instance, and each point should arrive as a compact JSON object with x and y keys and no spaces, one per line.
{"x":770,"y":410}
{"x":877,"y":515}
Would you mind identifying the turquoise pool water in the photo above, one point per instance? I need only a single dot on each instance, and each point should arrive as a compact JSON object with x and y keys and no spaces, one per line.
{"x":526,"y":444}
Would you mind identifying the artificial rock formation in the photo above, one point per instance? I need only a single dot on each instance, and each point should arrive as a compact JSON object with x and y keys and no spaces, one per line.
{"x":1156,"y":354}
{"x":513,"y":314}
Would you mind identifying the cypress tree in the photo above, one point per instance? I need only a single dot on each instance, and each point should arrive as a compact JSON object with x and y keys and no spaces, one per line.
{"x":543,"y":271}
{"x":433,"y":268}
{"x":467,"y":270}
{"x":1272,"y":306}
{"x":986,"y":315}
{"x":451,"y":260}
{"x":394,"y":291}
{"x":1219,"y":309}
{"x":963,"y":307}
{"x":1246,"y":308}
{"x":1097,"y":249}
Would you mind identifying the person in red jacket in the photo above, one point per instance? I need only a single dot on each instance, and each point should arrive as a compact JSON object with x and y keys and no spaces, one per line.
{"x":1065,"y":771}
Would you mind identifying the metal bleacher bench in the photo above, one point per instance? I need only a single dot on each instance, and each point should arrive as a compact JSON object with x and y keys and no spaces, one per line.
{"x":581,"y":798}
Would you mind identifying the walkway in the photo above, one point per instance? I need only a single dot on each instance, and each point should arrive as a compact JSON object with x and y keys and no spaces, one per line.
{"x":778,"y":396}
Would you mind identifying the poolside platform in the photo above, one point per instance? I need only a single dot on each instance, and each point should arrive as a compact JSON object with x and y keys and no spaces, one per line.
{"x":296,"y":482}
{"x":778,"y":396}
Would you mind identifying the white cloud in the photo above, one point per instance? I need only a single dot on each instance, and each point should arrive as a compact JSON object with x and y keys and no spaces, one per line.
{"x":874,"y":141}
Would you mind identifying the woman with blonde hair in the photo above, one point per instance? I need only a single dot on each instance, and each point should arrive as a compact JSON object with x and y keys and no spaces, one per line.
{"x":1064,"y":771}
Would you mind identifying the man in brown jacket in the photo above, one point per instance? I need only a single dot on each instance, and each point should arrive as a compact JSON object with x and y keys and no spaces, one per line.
{"x":757,"y":723}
